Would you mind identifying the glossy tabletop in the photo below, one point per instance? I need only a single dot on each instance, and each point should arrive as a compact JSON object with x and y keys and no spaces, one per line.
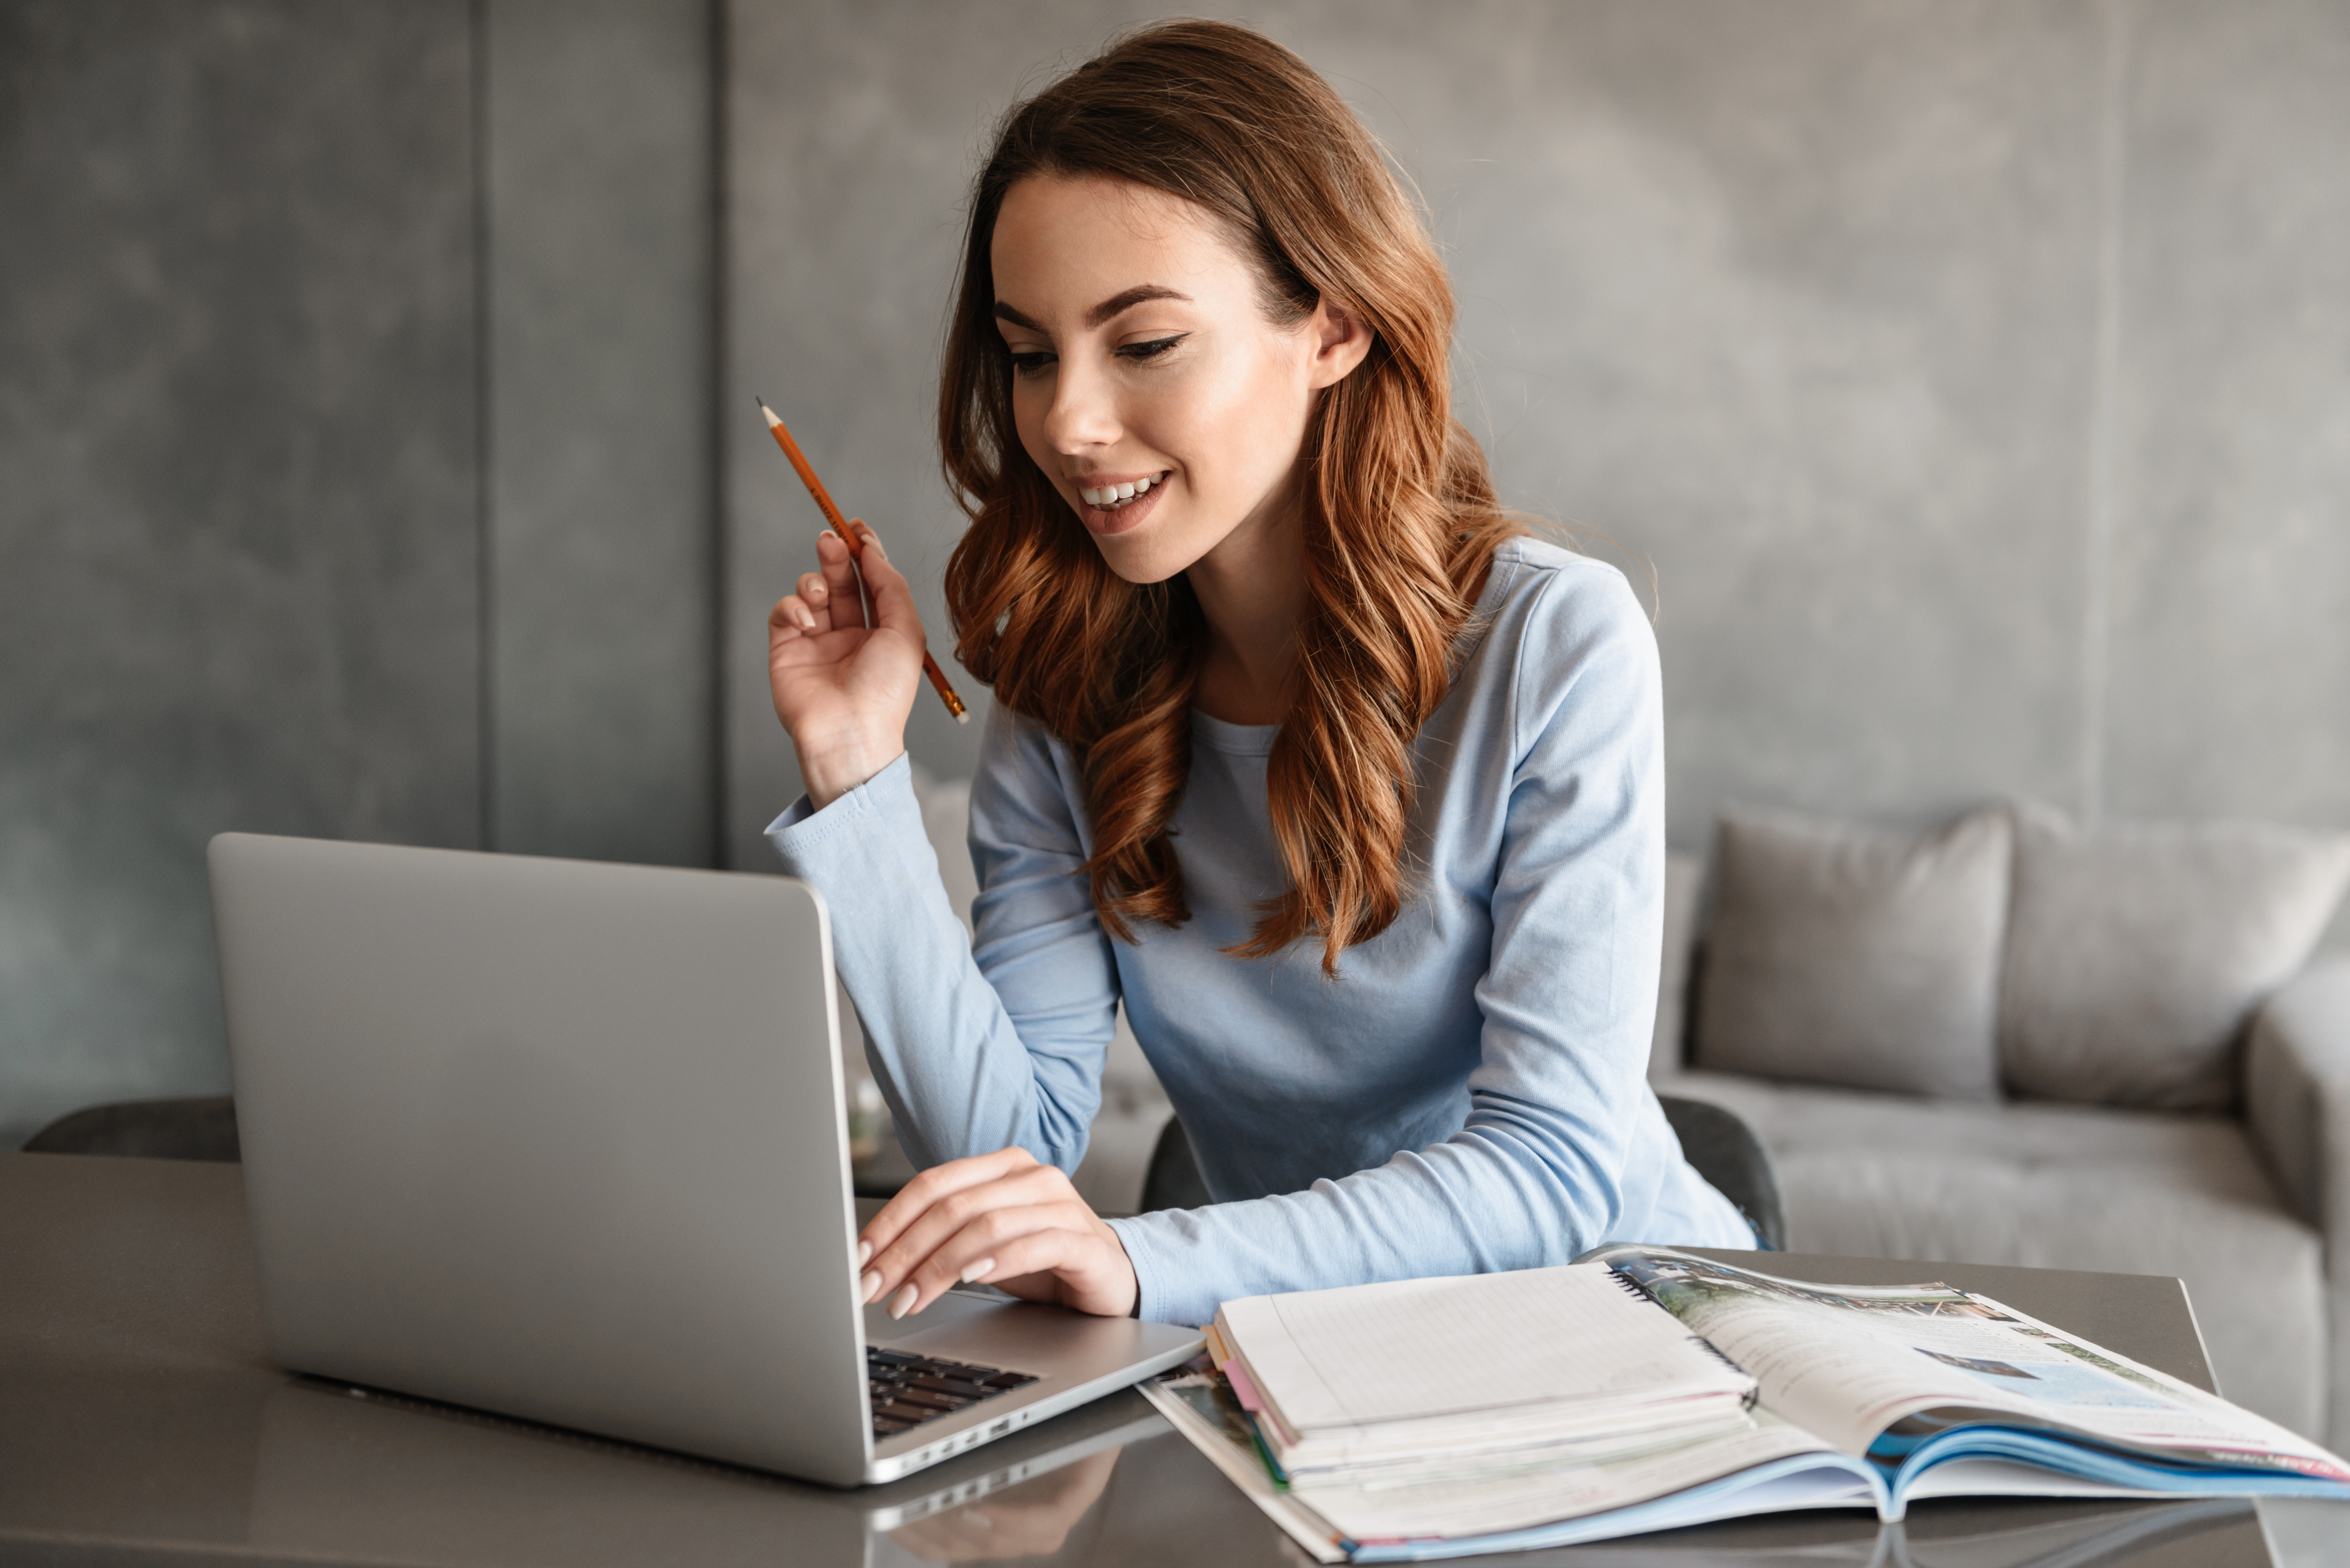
{"x":140,"y":1419}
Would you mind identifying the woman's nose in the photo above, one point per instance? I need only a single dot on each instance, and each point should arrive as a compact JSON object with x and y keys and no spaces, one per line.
{"x":1082,"y":413}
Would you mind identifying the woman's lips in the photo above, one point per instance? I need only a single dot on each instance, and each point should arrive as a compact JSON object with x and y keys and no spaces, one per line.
{"x":1105,"y":521}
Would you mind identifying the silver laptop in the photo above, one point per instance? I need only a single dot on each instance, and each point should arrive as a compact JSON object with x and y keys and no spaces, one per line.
{"x":567,"y":1141}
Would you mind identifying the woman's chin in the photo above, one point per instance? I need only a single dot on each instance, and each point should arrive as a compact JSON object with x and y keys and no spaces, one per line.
{"x":1130,"y":548}
{"x":1134,"y":561}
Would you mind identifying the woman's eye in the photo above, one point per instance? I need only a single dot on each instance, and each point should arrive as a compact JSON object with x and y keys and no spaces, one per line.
{"x":1032,"y":363}
{"x":1152,"y":349}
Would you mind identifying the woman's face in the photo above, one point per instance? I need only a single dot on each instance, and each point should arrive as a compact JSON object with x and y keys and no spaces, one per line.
{"x":1147,"y":383}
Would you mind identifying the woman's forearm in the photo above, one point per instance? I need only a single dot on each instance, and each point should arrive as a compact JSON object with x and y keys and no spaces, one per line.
{"x":962,"y":1076}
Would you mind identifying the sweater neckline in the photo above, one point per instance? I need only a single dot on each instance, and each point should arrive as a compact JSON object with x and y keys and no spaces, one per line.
{"x":1233,"y":740}
{"x":1256,"y":740}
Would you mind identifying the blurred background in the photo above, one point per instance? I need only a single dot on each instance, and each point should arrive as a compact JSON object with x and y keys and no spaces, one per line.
{"x":378,"y":457}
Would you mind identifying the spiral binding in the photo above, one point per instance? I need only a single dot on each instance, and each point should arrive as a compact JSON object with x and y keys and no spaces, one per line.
{"x":1632,"y":1288}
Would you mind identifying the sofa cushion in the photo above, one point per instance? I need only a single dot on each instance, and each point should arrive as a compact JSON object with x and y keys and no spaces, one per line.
{"x":1852,"y":955}
{"x":2062,"y":1186}
{"x":2134,"y":954}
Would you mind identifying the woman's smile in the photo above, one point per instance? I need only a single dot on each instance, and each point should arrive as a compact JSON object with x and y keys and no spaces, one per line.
{"x":1114,"y":506}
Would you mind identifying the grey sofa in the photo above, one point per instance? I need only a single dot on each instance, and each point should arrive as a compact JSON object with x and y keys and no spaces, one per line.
{"x":2246,"y":1201}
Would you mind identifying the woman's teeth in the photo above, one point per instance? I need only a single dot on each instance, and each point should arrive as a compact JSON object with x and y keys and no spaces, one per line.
{"x":1110,"y":497}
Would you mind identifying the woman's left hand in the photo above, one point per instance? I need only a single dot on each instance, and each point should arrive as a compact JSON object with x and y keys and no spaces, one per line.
{"x":1002,"y":1219}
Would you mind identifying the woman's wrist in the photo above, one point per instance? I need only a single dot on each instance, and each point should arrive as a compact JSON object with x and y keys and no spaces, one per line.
{"x":833,"y":771}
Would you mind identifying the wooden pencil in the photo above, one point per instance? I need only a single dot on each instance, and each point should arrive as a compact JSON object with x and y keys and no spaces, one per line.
{"x":939,"y":681}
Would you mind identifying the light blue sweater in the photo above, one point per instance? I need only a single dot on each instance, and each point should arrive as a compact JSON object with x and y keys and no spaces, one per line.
{"x":1469,"y":1096}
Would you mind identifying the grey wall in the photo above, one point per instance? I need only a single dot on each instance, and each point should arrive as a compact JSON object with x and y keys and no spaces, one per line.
{"x":268,"y":559}
{"x":601,"y":190}
{"x":2229,"y":603}
{"x":237,"y":552}
{"x":1975,"y":376}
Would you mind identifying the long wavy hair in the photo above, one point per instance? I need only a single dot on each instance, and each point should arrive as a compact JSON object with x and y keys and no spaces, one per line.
{"x":1400,"y":516}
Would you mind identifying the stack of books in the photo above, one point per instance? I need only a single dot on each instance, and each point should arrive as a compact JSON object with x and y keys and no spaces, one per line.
{"x":1647,"y":1389}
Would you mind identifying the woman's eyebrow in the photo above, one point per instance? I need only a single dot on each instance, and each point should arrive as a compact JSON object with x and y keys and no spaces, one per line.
{"x":1128,"y":300}
{"x":1100,"y":313}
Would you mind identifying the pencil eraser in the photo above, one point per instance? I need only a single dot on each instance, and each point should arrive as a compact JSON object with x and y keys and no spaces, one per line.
{"x":964,"y":717}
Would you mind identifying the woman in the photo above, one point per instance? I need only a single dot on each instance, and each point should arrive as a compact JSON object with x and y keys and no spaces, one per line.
{"x":1349,"y":789}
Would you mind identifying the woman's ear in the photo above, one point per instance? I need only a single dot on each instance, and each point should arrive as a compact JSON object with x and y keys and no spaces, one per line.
{"x":1340,"y":339}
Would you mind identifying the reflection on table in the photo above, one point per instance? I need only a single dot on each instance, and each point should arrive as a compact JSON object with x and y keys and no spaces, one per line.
{"x":1071,"y":1512}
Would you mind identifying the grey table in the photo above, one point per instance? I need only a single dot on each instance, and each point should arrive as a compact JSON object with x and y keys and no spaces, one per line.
{"x":142,"y":1421}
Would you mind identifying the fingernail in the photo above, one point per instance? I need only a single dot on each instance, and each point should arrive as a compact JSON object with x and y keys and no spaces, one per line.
{"x":873,"y":542}
{"x":864,"y":1252}
{"x":800,"y":613}
{"x":978,"y":1270}
{"x":903,"y":1301}
{"x":815,"y":591}
{"x":869,"y":1287}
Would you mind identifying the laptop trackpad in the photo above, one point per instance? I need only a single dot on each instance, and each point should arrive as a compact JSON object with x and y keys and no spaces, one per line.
{"x":1018,"y":1336}
{"x":953,"y":1310}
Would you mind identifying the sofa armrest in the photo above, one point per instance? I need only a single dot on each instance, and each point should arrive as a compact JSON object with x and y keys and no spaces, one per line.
{"x":2297,"y":1098}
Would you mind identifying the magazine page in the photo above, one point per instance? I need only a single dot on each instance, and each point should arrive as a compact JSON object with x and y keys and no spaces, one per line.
{"x":2089,"y":1388}
{"x":1883,"y":1369}
{"x":1835,"y":1362}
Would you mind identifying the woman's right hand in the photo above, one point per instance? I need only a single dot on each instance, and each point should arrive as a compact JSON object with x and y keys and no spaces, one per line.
{"x":843,"y":687}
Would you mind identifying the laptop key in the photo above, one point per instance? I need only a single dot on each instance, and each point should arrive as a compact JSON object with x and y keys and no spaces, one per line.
{"x":929,"y":1401}
{"x":906,"y":1390}
{"x":950,"y":1385}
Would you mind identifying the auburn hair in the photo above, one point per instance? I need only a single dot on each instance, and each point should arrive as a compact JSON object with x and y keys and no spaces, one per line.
{"x":1400,"y":517}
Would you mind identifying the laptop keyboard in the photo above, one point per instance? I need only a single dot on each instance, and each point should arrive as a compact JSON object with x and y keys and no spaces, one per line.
{"x":907,"y":1390}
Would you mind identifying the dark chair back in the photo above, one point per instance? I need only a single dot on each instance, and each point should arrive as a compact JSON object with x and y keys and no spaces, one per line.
{"x":1725,"y":1151}
{"x":1173,"y":1180}
{"x":204,"y":1128}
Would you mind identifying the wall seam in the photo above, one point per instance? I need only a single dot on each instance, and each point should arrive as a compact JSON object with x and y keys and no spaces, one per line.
{"x":2105,"y":417}
{"x":484,"y":489}
{"x":721,"y":793}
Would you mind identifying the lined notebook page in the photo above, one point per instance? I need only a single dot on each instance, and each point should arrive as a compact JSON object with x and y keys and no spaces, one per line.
{"x":1437,"y":1347}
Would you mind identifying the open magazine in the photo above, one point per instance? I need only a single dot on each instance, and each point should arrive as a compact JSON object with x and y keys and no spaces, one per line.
{"x":1854,"y":1398}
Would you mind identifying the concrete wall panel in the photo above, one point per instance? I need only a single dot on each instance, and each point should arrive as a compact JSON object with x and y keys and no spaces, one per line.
{"x":237,"y":519}
{"x":603,"y":532}
{"x":2231,"y":647}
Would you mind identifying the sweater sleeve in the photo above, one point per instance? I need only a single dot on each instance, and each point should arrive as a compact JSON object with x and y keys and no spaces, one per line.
{"x":1561,"y":1138}
{"x":978,"y":1045}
